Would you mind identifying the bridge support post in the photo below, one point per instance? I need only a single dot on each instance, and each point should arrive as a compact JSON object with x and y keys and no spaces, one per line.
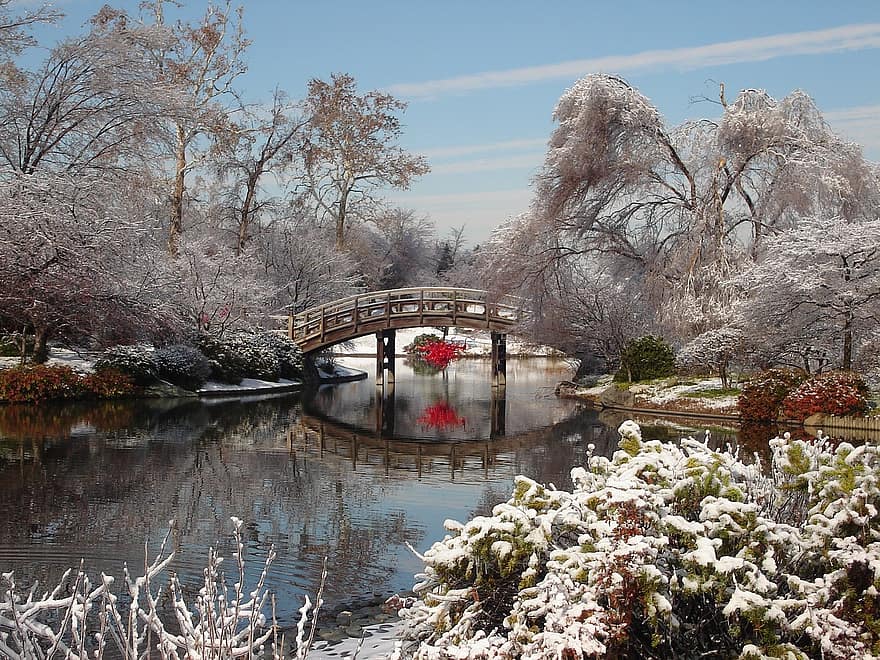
{"x":499,"y":359}
{"x":498,"y":413}
{"x":385,"y":413}
{"x":385,"y":357}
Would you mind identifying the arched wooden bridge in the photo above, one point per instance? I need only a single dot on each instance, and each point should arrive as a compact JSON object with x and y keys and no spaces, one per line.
{"x":394,"y":309}
{"x":383,"y":312}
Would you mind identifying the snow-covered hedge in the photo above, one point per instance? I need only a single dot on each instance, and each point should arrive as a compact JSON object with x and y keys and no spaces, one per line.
{"x":666,"y":551}
{"x":183,"y":365}
{"x":135,"y":361}
{"x":251,"y":354}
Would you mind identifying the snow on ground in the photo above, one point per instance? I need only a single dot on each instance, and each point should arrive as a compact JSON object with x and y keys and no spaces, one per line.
{"x":661,"y":393}
{"x":81,"y":362}
{"x":248,"y":384}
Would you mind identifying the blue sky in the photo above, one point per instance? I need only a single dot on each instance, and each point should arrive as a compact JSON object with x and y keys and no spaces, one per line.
{"x":482,"y":78}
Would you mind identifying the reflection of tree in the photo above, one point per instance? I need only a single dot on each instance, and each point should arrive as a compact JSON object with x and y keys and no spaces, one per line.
{"x":101,"y":494}
{"x":441,"y":416}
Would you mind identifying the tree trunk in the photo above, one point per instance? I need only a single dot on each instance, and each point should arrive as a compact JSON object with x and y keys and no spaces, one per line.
{"x":176,"y":226}
{"x":41,"y":345}
{"x":244,"y":221}
{"x":847,"y":324}
{"x":340,"y":220}
{"x":847,"y":342}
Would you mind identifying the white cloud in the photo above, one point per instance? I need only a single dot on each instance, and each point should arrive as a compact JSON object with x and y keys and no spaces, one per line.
{"x":758,"y":49}
{"x":470,"y":149}
{"x":520,"y":161}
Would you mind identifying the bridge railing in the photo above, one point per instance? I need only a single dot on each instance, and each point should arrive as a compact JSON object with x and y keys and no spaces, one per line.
{"x":413,"y":306}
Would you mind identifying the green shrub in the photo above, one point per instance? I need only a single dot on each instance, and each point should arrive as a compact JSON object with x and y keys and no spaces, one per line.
{"x":10,"y":345}
{"x":646,"y":358}
{"x":40,"y":383}
{"x":833,"y":393}
{"x":137,"y":362}
{"x":182,"y":365}
{"x":762,"y":395}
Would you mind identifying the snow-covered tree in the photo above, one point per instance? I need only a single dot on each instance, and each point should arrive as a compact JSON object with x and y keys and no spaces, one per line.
{"x":92,"y":105}
{"x":258,"y":142}
{"x":817,"y":286}
{"x":713,"y":350}
{"x":75,"y":264}
{"x":14,"y":27}
{"x":305,"y":269}
{"x":202,"y":61}
{"x":679,"y":209}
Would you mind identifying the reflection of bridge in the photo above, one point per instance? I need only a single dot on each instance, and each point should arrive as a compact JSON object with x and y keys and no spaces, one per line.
{"x":383,"y":312}
{"x":324,"y":436}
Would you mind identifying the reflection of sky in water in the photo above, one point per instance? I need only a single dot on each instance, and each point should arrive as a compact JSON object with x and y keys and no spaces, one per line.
{"x":129,"y":467}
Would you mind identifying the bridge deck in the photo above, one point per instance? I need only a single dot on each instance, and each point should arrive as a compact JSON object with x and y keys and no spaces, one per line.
{"x":363,"y":314}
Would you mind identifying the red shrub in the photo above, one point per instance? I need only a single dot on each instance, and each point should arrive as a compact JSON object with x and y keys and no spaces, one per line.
{"x":437,"y":352}
{"x":833,"y":393}
{"x":109,"y":384}
{"x":44,"y":383}
{"x":40,"y":383}
{"x":440,"y":353}
{"x":762,"y":396}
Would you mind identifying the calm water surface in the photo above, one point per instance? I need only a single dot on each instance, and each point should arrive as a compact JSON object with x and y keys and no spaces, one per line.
{"x":347,"y":473}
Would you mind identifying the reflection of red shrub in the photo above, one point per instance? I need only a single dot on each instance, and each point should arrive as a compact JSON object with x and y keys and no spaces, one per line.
{"x":441,"y":416}
{"x":834,"y":393}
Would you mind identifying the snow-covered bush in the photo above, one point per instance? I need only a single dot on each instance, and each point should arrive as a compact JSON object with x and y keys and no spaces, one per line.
{"x":666,"y":551}
{"x":252,"y":354}
{"x":82,"y":619}
{"x":287,"y":352}
{"x":831,"y":393}
{"x":183,"y":365}
{"x":135,"y":361}
{"x":762,"y":395}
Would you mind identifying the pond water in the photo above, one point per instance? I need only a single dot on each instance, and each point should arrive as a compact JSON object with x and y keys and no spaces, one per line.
{"x":346,"y":473}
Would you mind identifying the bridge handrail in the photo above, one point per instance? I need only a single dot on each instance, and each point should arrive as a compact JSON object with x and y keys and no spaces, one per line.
{"x":350,"y":310}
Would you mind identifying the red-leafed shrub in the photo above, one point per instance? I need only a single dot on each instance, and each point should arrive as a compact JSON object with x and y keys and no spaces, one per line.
{"x":46,"y":383}
{"x":441,"y":416}
{"x":440,"y":353}
{"x":762,"y":395}
{"x":435,"y":351}
{"x":833,"y":393}
{"x":109,"y":384}
{"x":40,"y":383}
